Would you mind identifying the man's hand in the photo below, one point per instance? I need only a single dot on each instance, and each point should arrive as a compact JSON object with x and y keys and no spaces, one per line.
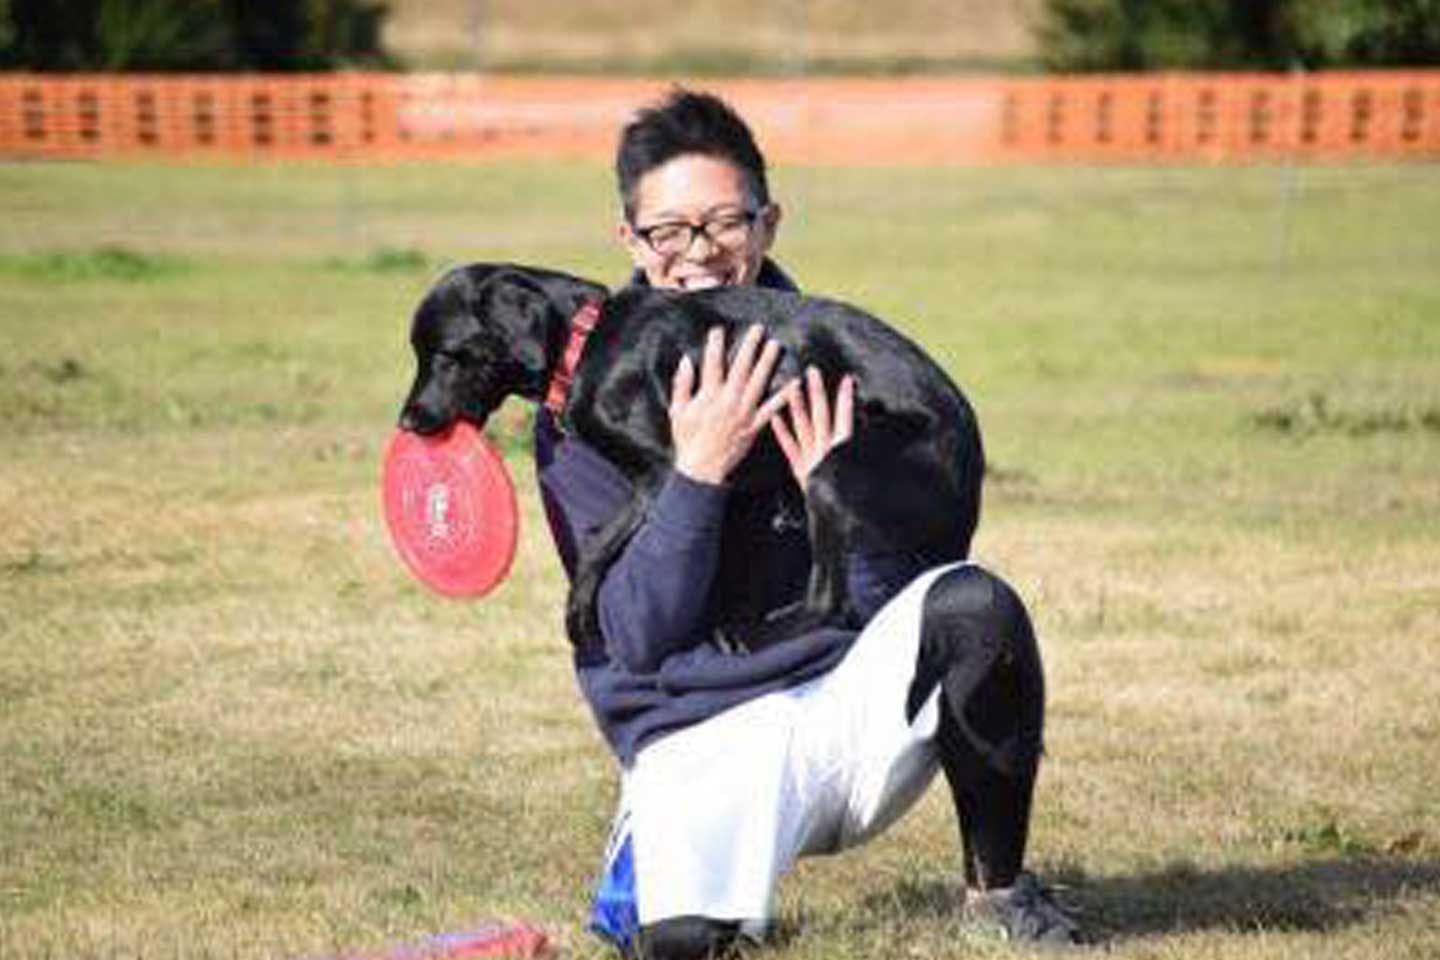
{"x":713,"y":427}
{"x":812,"y":432}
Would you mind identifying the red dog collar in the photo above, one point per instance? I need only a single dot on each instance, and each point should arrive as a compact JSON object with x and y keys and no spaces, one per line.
{"x":580,"y":326}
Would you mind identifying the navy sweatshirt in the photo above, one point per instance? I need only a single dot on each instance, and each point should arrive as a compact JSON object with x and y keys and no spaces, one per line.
{"x":667,"y":601}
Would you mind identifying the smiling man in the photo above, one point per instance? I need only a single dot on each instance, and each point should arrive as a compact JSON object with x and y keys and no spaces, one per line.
{"x":736,"y":762}
{"x":697,"y":208}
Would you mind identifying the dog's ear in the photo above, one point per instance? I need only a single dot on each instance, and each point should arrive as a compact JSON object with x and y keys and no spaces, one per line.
{"x":443,"y":312}
{"x":569,"y":293}
{"x":531,"y":309}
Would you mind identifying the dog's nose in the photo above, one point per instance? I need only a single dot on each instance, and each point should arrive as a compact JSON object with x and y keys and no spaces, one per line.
{"x":418,"y":418}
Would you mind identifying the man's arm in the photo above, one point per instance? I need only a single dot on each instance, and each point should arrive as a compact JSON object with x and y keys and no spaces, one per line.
{"x":654,"y":599}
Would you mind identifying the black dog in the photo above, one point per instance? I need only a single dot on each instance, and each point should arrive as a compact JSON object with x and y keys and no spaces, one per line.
{"x":909,"y":480}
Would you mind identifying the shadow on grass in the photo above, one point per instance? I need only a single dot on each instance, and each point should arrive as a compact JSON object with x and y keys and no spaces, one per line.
{"x":1313,"y":897}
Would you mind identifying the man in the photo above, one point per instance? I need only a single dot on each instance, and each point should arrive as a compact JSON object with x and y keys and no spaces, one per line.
{"x":735,"y":763}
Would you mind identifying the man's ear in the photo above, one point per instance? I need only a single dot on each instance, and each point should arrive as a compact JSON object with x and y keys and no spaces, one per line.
{"x":770,"y":219}
{"x":631,"y":241}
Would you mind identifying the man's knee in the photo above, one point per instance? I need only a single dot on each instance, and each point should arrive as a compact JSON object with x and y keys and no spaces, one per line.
{"x":686,"y":938}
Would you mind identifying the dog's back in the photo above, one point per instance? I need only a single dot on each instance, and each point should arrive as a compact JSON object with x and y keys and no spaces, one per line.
{"x":908,"y":480}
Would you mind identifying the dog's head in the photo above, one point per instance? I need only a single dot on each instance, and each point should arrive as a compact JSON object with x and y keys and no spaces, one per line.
{"x":482,"y":333}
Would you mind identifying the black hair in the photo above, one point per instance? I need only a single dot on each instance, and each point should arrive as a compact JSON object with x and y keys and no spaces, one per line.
{"x":687,"y":121}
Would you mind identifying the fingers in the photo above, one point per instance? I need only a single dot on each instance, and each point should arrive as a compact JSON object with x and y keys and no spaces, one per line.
{"x":714,"y":422}
{"x":767,"y":413}
{"x":844,"y":411}
{"x":746,"y":378}
{"x":785,"y":440}
{"x":819,"y":408}
{"x":759,"y":377}
{"x":800,"y":420}
{"x":812,"y":430}
{"x":745,"y":353}
{"x":682,"y":385}
{"x":749,"y":373}
{"x":712,"y":364}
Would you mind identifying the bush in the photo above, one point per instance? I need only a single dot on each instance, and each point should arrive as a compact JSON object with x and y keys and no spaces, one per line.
{"x":190,"y":34}
{"x":1238,"y":34}
{"x":1395,"y":32}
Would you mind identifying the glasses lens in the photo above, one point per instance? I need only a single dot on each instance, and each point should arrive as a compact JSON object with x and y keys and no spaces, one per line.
{"x":669,"y":238}
{"x":729,"y":231}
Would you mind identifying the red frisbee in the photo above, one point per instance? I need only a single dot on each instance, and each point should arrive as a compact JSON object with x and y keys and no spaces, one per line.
{"x":450,"y":507}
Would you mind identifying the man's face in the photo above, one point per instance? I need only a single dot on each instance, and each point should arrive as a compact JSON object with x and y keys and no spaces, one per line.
{"x":697,"y":226}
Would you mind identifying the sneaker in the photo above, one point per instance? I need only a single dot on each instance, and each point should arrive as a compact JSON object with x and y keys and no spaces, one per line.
{"x":1024,"y":913}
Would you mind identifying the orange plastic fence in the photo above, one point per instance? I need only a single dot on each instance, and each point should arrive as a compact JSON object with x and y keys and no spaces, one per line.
{"x":1215,"y":118}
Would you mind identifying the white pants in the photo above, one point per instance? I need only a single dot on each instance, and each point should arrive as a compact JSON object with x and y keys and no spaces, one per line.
{"x":718,"y":812}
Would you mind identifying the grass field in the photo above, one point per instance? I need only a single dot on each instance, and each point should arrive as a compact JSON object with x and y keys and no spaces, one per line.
{"x":231,"y":726}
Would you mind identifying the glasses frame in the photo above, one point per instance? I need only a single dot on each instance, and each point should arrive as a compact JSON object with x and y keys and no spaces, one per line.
{"x":696,"y":229}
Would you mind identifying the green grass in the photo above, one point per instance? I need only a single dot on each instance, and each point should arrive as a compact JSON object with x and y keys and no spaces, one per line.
{"x":231,"y":726}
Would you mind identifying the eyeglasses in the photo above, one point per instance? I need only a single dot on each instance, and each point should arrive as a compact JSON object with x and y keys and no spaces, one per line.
{"x":729,"y":231}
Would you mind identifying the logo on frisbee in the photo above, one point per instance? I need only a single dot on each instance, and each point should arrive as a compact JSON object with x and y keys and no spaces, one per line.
{"x":450,"y":508}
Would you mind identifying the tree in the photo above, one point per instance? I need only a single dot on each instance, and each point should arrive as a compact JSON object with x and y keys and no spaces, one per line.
{"x":1247,"y":34}
{"x":1395,"y":32}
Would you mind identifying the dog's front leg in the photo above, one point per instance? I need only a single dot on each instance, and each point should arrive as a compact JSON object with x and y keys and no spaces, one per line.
{"x":825,"y":596}
{"x":826,"y":600}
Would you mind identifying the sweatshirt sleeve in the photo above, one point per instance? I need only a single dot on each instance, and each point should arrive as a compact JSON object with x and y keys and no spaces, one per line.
{"x":654,"y":600}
